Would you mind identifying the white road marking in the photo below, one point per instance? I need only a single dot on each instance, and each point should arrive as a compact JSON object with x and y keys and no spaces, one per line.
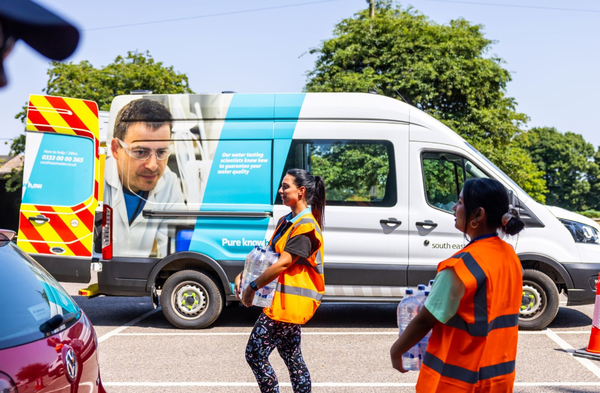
{"x":318,"y":333}
{"x":557,"y":383}
{"x":249,"y":331}
{"x":550,"y":333}
{"x":568,"y":348}
{"x":128,"y":324}
{"x":556,"y":332}
{"x":316,"y":384}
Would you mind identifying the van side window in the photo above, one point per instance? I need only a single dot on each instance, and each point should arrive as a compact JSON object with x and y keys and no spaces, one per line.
{"x":444,"y":175}
{"x":356,"y":172}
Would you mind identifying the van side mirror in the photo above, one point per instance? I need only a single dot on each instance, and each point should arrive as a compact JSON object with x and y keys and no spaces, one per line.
{"x":512,"y":199}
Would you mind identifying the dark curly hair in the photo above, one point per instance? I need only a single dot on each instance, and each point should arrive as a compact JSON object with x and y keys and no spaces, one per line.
{"x":492,"y":196}
{"x":151,"y":112}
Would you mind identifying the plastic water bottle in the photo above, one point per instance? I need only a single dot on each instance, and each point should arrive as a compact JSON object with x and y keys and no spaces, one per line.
{"x":421,"y":292}
{"x":264,"y":296}
{"x":407,"y":310}
{"x":430,"y":285}
{"x":249,"y":267}
{"x":425,"y":340}
{"x":259,"y":261}
{"x":411,"y":360}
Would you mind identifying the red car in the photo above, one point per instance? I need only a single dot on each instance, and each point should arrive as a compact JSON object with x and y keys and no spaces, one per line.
{"x":47,"y":343}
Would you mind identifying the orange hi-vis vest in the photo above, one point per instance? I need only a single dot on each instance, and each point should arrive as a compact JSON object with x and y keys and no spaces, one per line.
{"x":301,"y":286}
{"x":475,"y":351}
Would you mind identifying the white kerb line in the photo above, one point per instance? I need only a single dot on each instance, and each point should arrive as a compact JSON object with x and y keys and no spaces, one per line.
{"x":128,"y":324}
{"x":567,"y":347}
{"x":314,"y":333}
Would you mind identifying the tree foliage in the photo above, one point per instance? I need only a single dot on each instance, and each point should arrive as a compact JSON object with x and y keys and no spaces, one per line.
{"x":14,"y":179}
{"x":569,"y":166}
{"x":441,"y":69}
{"x":136,"y":71}
{"x":351,"y":171}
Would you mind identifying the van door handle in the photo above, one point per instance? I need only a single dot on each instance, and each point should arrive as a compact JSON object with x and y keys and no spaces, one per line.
{"x":426,"y":224}
{"x":39,"y":219}
{"x":390,"y":221}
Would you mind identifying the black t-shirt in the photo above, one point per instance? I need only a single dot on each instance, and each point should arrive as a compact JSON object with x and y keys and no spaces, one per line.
{"x":303,"y":245}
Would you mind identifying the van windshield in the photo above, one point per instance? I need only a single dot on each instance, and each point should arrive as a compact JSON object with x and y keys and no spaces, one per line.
{"x":515,"y":185}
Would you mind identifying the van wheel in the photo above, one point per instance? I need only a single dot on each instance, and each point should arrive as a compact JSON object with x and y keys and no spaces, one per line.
{"x":191,"y":300}
{"x":539,"y":304}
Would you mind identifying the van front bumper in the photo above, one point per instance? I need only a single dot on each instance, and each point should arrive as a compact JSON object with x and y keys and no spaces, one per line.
{"x":585,"y":278}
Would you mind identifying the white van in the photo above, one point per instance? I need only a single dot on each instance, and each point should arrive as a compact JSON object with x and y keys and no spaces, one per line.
{"x":392,"y":175}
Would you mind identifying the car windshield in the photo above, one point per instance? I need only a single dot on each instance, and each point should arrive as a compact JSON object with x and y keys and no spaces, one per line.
{"x":515,"y":185}
{"x":29,"y":297}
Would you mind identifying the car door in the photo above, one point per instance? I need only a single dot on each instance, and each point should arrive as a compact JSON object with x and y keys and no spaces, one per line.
{"x":60,"y":185}
{"x":364,"y":165}
{"x":438,"y":174}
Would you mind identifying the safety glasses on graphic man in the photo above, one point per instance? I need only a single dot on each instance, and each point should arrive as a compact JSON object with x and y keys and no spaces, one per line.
{"x":143,"y":153}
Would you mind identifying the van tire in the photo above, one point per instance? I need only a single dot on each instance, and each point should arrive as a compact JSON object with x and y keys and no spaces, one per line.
{"x":543,"y":306}
{"x":191,"y":300}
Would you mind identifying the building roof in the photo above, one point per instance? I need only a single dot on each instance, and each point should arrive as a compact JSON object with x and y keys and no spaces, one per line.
{"x":10,"y":164}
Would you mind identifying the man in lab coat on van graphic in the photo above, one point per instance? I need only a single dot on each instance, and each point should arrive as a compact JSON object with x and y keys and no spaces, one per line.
{"x":137,"y":178}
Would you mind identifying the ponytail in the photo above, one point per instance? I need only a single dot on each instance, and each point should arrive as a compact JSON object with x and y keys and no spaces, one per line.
{"x":511,"y":223}
{"x":317,"y":204}
{"x":315,"y":192}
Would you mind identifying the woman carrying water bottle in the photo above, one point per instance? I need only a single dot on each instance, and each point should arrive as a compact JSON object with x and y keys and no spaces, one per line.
{"x":474,"y":303}
{"x":300,"y":283}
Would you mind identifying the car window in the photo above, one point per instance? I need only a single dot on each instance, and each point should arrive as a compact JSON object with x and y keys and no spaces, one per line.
{"x":29,"y":297}
{"x":356,"y":172}
{"x":444,"y":175}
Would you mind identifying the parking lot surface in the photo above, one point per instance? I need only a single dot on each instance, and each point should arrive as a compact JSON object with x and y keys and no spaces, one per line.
{"x":346,"y":347}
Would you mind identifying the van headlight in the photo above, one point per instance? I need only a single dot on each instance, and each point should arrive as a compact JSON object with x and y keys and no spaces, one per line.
{"x":581,"y":233}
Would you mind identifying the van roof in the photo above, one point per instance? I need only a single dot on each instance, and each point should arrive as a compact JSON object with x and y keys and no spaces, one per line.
{"x":288,"y":106}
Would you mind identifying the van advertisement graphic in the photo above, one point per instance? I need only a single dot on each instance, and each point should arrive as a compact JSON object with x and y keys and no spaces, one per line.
{"x":58,"y":159}
{"x":225,"y":163}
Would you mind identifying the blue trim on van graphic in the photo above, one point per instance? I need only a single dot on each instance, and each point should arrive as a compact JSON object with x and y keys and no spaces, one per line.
{"x":59,"y":159}
{"x":246,"y":170}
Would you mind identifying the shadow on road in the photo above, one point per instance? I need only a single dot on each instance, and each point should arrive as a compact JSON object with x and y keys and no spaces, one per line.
{"x":570,"y":317}
{"x":329,"y":315}
{"x":117,"y":311}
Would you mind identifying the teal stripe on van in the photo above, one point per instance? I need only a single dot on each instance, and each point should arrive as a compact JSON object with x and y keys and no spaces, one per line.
{"x":256,"y":136}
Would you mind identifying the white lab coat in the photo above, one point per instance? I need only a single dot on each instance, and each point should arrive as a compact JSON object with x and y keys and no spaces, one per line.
{"x":137,"y":239}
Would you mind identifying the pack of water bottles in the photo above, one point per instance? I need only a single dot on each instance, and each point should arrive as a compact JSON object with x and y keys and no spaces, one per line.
{"x":407,"y":310}
{"x":257,"y":261}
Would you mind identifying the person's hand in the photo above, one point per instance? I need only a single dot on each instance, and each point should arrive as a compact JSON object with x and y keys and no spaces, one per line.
{"x":248,"y":296}
{"x":238,"y":283}
{"x":397,"y":364}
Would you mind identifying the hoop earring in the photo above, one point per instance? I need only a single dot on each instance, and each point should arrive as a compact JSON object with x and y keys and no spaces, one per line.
{"x":474,"y":226}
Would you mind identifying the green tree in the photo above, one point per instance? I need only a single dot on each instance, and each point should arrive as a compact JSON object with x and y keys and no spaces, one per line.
{"x":440,"y":69}
{"x":351,"y":171}
{"x":14,"y":179}
{"x":568,"y":164}
{"x":136,"y":71}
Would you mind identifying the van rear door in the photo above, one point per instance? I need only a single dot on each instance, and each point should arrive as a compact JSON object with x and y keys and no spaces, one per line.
{"x":60,"y":185}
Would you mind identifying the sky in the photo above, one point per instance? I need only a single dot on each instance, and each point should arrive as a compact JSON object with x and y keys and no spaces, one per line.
{"x":550,"y":48}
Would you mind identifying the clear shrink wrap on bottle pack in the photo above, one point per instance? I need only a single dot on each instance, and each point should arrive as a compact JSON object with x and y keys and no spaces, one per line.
{"x":257,"y":261}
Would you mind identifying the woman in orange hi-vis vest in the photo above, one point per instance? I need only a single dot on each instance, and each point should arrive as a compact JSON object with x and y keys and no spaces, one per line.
{"x":473,"y":307}
{"x":300,"y":283}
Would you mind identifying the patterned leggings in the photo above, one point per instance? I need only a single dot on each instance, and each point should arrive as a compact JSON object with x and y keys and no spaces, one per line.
{"x":266,"y":335}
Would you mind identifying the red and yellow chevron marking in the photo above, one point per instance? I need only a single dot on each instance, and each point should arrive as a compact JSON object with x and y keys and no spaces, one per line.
{"x":69,"y":116}
{"x":69,"y":227}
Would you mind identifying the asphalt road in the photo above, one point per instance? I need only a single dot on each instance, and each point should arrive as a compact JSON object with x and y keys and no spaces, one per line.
{"x":346,"y":348}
